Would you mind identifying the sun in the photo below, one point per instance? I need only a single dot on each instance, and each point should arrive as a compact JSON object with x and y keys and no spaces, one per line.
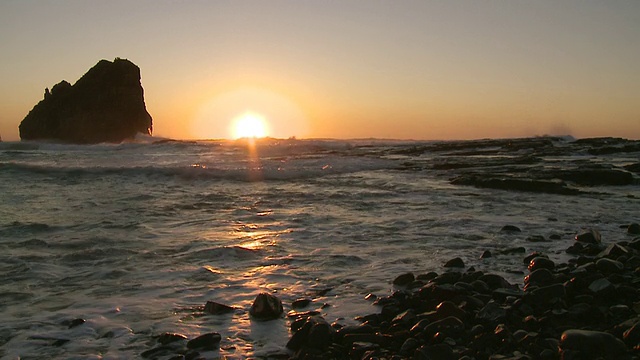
{"x":249,"y":125}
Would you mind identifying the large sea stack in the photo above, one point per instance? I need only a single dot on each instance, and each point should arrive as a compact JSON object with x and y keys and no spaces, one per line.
{"x":104,"y":105}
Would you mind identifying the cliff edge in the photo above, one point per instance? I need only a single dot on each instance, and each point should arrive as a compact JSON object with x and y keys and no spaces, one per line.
{"x":104,"y":105}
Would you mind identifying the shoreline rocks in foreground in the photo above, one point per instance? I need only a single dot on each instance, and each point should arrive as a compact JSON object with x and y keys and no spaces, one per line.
{"x":587,"y":308}
{"x":104,"y":105}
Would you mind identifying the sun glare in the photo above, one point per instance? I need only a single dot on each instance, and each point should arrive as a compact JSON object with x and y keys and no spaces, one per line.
{"x":249,"y":125}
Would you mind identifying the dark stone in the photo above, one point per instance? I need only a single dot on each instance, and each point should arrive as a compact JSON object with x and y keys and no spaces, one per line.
{"x":585,"y":344}
{"x":209,"y":341}
{"x":215,"y":308}
{"x":510,"y":228}
{"x":514,"y":250}
{"x":536,"y":238}
{"x":455,"y":262}
{"x":449,"y":326}
{"x":300,"y":303}
{"x":634,"y":229}
{"x":539,"y":277}
{"x":485,"y":254}
{"x":167,"y":338}
{"x":73,"y":323}
{"x":495,"y":281}
{"x":316,"y":333}
{"x":266,"y":307}
{"x":434,"y":352}
{"x":589,"y":236}
{"x":608,"y":266}
{"x":601,"y":286}
{"x":104,"y":105}
{"x":541,"y":263}
{"x":491,"y":313}
{"x":515,"y":184}
{"x":404,"y":279}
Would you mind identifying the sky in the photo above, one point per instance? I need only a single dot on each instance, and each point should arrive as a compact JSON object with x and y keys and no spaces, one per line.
{"x":425,"y":70}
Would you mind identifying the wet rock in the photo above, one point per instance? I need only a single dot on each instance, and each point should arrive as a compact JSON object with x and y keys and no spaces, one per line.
{"x":73,"y":323}
{"x":434,"y":352}
{"x":492,"y":313}
{"x":167,"y":338}
{"x":409,"y":346}
{"x":216,"y":308}
{"x":589,"y":236}
{"x":536,"y":239}
{"x":541,"y":263}
{"x":404,"y":279}
{"x":510,"y":228}
{"x":634,"y":229}
{"x":300,"y":303}
{"x":584,"y":344}
{"x":454,"y":263}
{"x":485,"y":254}
{"x":614,"y":251}
{"x":608,"y":266}
{"x":316,"y":333}
{"x":266,"y":307}
{"x":450,"y":326}
{"x":209,"y":341}
{"x":495,"y":281}
{"x":513,"y":250}
{"x":601,"y":286}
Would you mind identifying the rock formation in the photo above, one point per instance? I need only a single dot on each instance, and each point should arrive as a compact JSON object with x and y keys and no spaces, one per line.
{"x":104,"y":105}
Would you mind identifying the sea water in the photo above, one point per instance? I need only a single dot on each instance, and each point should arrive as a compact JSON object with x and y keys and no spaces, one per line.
{"x":135,"y":238}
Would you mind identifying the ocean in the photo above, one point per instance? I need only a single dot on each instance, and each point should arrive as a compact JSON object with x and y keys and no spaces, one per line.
{"x":135,"y":238}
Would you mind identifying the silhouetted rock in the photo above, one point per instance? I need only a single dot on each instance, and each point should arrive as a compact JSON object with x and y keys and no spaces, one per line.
{"x":104,"y":105}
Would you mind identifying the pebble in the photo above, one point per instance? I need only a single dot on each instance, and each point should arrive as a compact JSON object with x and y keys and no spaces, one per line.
{"x":454,"y":263}
{"x":209,"y":341}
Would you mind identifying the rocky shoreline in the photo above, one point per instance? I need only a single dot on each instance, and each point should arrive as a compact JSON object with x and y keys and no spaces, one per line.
{"x":586,"y":308}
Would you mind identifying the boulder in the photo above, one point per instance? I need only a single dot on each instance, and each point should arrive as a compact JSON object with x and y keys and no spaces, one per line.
{"x":266,"y":307}
{"x":104,"y":105}
{"x":585,"y":344}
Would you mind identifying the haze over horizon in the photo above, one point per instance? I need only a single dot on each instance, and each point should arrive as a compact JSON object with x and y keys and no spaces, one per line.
{"x":421,"y":70}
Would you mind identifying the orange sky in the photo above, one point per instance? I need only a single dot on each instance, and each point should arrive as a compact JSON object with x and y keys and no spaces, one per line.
{"x":404,"y":70}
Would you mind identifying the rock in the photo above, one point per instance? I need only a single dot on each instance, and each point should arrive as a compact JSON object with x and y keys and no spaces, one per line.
{"x":449,"y":326}
{"x":404,"y":279}
{"x":633,"y":229}
{"x":266,"y":307}
{"x":608,"y":266}
{"x":589,"y":236}
{"x":209,"y":341}
{"x":536,"y":238}
{"x":455,"y":262}
{"x":73,"y":323}
{"x":300,"y":303}
{"x":601,"y":286}
{"x":104,"y":105}
{"x":434,"y":352}
{"x":510,"y":228}
{"x":485,"y":254}
{"x":215,"y":308}
{"x":585,"y":344}
{"x":167,"y":338}
{"x":315,"y":333}
{"x":541,"y":263}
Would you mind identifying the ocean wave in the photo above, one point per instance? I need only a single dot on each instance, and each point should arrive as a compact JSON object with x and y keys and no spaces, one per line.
{"x":246,"y":172}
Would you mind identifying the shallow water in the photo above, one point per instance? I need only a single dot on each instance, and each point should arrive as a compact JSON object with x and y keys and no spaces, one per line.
{"x":136,"y":238}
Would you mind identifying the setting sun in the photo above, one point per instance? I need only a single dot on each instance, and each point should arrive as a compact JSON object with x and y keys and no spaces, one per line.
{"x":249,"y":125}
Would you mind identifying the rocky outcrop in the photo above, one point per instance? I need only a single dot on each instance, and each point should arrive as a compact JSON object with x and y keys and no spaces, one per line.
{"x":104,"y":105}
